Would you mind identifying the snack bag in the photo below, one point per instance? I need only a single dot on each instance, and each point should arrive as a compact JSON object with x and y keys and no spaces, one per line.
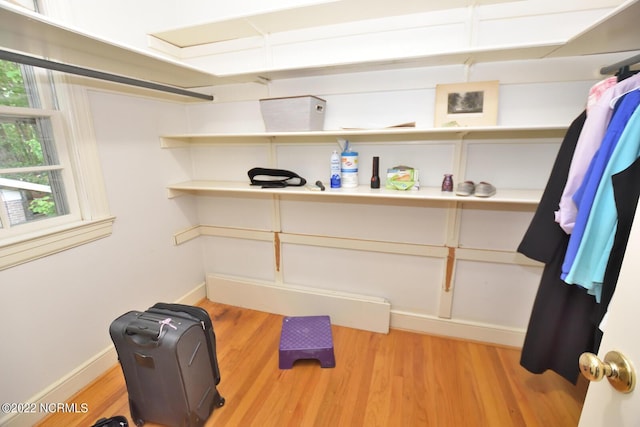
{"x":401,"y":177}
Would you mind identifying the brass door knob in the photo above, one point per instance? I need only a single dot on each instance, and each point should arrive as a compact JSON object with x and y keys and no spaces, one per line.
{"x":616,"y":367}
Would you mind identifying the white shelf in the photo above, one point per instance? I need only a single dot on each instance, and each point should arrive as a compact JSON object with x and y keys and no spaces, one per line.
{"x":473,"y":56}
{"x":617,"y":32}
{"x":368,"y":135}
{"x":362,"y":191}
{"x":497,"y":134}
{"x":318,"y":14}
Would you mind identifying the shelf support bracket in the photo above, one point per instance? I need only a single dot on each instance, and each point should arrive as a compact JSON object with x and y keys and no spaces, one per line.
{"x":276,"y":247}
{"x":451,"y":258}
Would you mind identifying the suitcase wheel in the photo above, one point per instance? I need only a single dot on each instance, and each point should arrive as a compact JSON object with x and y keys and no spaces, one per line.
{"x":220,"y":402}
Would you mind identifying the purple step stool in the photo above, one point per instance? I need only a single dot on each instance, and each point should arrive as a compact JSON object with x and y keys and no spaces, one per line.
{"x":306,"y":337}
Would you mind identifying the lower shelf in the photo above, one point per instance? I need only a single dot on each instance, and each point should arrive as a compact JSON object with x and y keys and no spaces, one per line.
{"x":424,"y":193}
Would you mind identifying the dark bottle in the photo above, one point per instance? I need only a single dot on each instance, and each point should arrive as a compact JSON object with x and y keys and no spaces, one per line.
{"x":447,"y":182}
{"x":375,"y":178}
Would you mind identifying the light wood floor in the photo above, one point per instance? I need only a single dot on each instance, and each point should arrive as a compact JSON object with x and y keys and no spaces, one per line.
{"x":399,"y":379}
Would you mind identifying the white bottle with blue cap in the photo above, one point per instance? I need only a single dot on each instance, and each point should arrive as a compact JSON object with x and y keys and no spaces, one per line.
{"x":335,"y":170}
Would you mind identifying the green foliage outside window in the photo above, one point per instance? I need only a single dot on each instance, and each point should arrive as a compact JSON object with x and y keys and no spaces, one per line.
{"x":43,"y":205}
{"x":21,"y":144}
{"x":12,"y":88}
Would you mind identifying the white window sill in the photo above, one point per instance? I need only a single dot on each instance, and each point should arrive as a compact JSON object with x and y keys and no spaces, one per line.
{"x":37,"y":245}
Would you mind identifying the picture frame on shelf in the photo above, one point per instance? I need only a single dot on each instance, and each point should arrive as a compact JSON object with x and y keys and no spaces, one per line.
{"x":466,"y":104}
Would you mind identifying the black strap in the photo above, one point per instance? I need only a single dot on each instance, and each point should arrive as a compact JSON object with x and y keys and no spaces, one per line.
{"x":275,"y":178}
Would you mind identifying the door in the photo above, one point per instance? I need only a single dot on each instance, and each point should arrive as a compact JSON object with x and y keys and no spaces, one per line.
{"x":604,"y":406}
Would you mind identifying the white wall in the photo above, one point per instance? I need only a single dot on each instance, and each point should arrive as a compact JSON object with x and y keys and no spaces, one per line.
{"x":56,"y":311}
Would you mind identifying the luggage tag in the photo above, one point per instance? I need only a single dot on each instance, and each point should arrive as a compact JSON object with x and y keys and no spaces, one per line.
{"x":166,"y":322}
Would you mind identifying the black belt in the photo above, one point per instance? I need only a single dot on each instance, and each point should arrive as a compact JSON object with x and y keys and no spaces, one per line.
{"x":275,"y":178}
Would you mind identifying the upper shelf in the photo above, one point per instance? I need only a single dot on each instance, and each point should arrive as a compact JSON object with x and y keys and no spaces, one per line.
{"x":316,"y":14}
{"x":37,"y":35}
{"x":617,"y":32}
{"x":367,"y":135}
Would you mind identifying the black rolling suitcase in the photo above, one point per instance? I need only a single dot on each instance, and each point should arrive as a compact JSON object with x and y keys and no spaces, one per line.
{"x":168,"y":357}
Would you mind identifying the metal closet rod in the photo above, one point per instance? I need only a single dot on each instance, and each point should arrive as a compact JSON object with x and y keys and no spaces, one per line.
{"x":72,"y":69}
{"x":615,"y":67}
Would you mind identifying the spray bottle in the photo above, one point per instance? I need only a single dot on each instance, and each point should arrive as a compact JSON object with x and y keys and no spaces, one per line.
{"x":335,"y":170}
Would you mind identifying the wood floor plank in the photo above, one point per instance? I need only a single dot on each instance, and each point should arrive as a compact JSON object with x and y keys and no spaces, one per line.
{"x":377,"y":408}
{"x":354,"y":364}
{"x":396,"y":379}
{"x":417,"y":397}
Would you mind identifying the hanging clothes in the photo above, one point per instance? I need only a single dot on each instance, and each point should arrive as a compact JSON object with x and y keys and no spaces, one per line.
{"x":593,"y":253}
{"x":586,"y":193}
{"x":595,"y":206}
{"x":562,"y":322}
{"x":588,"y":143}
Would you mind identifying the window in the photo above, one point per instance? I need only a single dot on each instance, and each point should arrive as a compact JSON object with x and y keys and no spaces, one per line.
{"x":32,"y":178}
{"x":40,"y":183}
{"x":31,"y":183}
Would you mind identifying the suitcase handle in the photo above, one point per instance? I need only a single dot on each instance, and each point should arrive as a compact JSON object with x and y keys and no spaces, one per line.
{"x":148,"y":328}
{"x":141,"y":334}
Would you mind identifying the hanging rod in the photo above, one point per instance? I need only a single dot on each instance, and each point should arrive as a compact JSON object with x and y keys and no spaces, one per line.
{"x":615,"y":67}
{"x":85,"y":72}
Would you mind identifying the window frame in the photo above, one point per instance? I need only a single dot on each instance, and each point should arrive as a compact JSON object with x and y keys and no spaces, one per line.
{"x":63,"y":166}
{"x":89,"y":218}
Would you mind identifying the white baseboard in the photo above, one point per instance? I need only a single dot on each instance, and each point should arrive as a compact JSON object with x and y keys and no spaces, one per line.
{"x":457,"y":329}
{"x":354,"y":311}
{"x":372,"y":314}
{"x":194,"y":296}
{"x":76,"y":380}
